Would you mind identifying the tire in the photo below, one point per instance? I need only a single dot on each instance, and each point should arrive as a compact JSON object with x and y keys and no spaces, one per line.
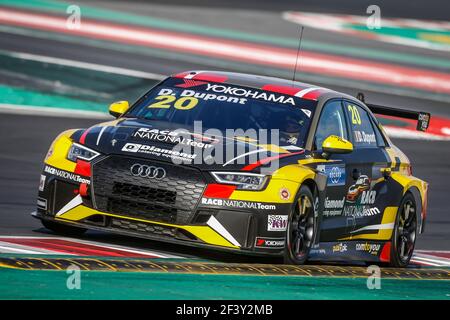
{"x":301,"y":228}
{"x":404,"y":234}
{"x":63,"y":229}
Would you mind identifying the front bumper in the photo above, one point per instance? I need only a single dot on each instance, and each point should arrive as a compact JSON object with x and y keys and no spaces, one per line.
{"x":197,"y":236}
{"x":231,"y":224}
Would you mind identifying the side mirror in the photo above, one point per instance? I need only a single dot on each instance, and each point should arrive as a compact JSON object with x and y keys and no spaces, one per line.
{"x":335,"y":144}
{"x":118,"y":108}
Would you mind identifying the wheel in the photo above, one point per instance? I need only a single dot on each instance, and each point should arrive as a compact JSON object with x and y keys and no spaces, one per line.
{"x":405,"y":231}
{"x":63,"y":229}
{"x":300,"y":229}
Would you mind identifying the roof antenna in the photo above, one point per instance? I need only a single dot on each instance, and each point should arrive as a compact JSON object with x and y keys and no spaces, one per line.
{"x":298,"y":53}
{"x":360,"y":97}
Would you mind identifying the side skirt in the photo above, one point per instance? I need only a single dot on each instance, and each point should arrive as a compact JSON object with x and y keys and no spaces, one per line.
{"x":356,"y":250}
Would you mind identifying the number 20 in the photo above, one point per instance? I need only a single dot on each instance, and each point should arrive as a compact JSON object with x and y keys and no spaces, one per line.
{"x":356,"y":119}
{"x":165,"y":102}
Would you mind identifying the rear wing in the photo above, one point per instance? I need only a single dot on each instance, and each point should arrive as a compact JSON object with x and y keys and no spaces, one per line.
{"x":423,"y":118}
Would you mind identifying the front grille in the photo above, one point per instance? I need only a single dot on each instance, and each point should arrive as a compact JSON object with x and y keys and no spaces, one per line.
{"x":172,"y":199}
{"x":141,"y":227}
{"x":146,"y":193}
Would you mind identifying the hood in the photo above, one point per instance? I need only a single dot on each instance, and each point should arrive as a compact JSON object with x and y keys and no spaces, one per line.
{"x":163,"y":142}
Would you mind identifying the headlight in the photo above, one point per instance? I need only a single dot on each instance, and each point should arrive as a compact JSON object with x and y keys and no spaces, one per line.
{"x":77,"y":151}
{"x":243,"y":181}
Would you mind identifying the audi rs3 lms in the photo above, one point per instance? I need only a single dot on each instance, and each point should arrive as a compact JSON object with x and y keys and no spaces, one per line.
{"x":251,"y":164}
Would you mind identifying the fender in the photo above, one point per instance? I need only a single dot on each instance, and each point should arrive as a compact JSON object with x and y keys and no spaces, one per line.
{"x":419,"y":190}
{"x":57,"y":153}
{"x":289,"y":177}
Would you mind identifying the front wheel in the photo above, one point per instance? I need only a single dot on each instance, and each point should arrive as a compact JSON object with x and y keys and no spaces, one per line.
{"x":300,"y":229}
{"x":405,"y":231}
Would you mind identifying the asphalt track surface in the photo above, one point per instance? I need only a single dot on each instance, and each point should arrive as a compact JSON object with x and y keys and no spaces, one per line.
{"x":412,"y":9}
{"x":21,"y":163}
{"x":24,"y":139}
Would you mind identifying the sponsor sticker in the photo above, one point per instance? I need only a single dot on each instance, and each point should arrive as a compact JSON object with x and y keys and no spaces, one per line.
{"x":368,"y":197}
{"x":284,"y":194}
{"x":334,"y":204}
{"x":371,"y":248}
{"x":307,"y":112}
{"x":41,"y":203}
{"x":358,"y":211}
{"x":361,"y":186}
{"x":317,"y":252}
{"x":335,"y":174}
{"x":188,"y":83}
{"x":66,"y":175}
{"x":160,"y":152}
{"x":333,"y":207}
{"x":340,"y":247}
{"x":42,"y":182}
{"x":238,"y":204}
{"x":277,"y":222}
{"x":364,"y":138}
{"x":250,"y":93}
{"x":271,"y":243}
{"x":167,"y":136}
{"x":203,"y":96}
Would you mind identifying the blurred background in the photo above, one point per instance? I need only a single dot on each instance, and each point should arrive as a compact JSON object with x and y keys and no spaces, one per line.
{"x":63,"y":63}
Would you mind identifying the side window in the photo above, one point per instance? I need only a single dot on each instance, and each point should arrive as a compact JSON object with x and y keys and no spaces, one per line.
{"x":331,"y":122}
{"x":380,"y":138}
{"x":361,"y":126}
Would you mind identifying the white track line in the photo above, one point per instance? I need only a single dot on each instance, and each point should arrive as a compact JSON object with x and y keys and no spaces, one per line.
{"x":94,"y":243}
{"x":51,"y":112}
{"x":6,"y":247}
{"x":354,"y":68}
{"x":429,"y":259}
{"x":424,"y":263}
{"x":431,"y":251}
{"x":85,"y":65}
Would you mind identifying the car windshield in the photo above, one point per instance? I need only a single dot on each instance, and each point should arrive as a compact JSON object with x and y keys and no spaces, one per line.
{"x":180,"y":102}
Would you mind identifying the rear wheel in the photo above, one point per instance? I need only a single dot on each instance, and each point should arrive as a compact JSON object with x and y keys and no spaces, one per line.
{"x":405,"y":231}
{"x":300,"y":230}
{"x":63,"y":229}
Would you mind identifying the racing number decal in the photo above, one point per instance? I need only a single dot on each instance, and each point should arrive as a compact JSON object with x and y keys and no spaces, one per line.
{"x":184,"y":103}
{"x":181,"y":105}
{"x":164,"y":103}
{"x":356,"y":119}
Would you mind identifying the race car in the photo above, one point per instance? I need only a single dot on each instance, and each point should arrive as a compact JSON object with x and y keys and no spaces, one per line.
{"x":241,"y":162}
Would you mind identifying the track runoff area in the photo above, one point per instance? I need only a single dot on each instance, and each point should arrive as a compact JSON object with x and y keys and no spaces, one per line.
{"x":60,"y":267}
{"x":68,"y":268}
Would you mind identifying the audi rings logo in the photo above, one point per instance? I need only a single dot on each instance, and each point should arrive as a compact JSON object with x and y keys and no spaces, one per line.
{"x":144,"y":171}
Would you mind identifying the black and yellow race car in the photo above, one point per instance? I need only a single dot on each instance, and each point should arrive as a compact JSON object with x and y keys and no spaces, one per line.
{"x":241,"y":162}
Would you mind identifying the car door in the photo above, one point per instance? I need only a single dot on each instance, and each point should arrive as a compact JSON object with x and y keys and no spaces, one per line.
{"x":366,"y":187}
{"x":332,"y":121}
